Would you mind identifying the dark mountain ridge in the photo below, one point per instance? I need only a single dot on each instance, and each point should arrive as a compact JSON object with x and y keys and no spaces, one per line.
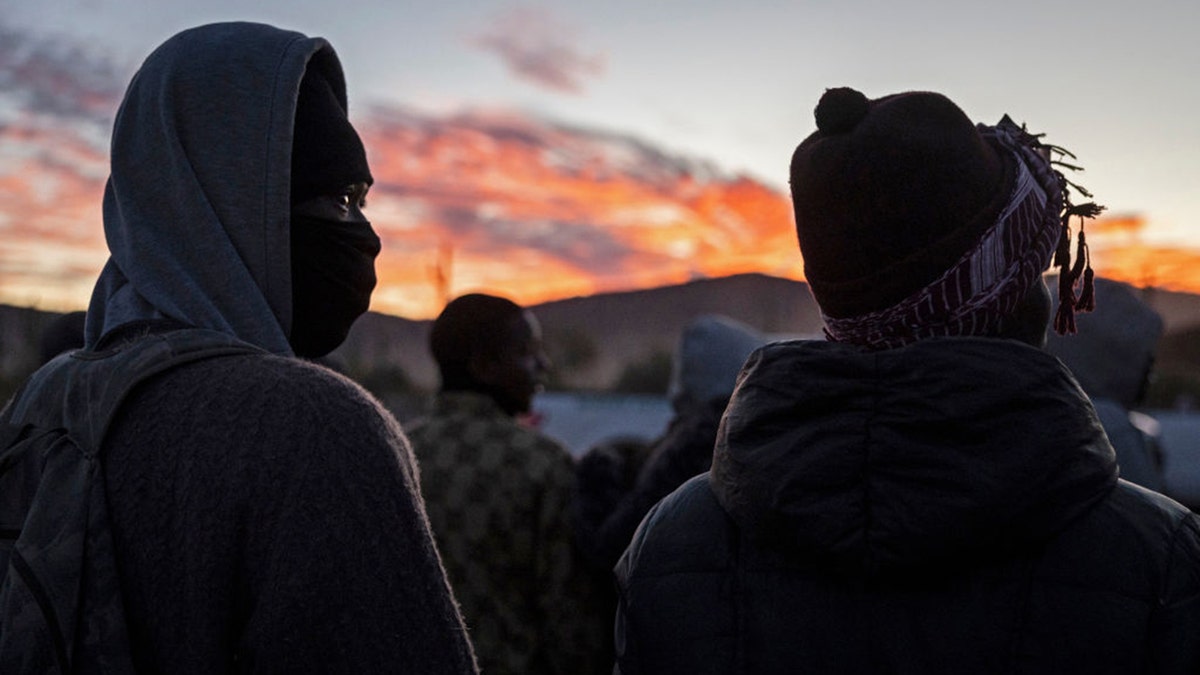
{"x":595,"y":340}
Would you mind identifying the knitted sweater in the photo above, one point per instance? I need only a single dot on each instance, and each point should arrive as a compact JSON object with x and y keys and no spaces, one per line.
{"x":498,"y":496}
{"x":267,"y":519}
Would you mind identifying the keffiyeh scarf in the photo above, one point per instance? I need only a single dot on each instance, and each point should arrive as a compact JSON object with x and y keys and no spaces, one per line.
{"x":988,"y":282}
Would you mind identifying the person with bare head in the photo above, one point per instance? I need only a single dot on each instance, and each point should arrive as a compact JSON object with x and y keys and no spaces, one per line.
{"x":927,"y":490}
{"x":264,"y":511}
{"x":499,"y":493}
{"x":490,"y":346}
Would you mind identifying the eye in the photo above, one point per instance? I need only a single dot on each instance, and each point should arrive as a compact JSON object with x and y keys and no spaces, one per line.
{"x":352,"y":195}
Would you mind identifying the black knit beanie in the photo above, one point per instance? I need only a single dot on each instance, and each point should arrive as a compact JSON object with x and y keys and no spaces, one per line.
{"x":327,"y":154}
{"x":888,"y":194}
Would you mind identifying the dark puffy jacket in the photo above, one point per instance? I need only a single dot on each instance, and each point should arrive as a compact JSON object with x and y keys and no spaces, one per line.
{"x":948,"y":507}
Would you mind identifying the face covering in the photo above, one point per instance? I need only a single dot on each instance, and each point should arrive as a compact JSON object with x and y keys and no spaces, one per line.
{"x":333,"y":274}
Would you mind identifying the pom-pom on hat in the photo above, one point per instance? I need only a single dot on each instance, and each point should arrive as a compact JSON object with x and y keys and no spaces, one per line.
{"x":915,"y":222}
{"x":840,"y":110}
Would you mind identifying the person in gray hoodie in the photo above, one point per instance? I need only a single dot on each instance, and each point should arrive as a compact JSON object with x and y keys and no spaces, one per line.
{"x":265,"y":510}
{"x":1113,"y":358}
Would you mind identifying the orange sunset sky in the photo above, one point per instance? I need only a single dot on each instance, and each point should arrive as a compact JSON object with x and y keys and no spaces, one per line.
{"x":545,"y":190}
{"x":498,"y":202}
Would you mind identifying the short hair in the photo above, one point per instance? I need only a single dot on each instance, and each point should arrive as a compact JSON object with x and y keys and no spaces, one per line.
{"x":467,"y":326}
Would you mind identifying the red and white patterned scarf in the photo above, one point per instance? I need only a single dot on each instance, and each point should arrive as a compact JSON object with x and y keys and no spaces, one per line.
{"x":990,"y":279}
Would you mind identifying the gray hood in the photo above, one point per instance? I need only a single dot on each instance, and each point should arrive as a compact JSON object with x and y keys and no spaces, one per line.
{"x":712,"y":349}
{"x":1113,"y":351}
{"x":197,"y":206}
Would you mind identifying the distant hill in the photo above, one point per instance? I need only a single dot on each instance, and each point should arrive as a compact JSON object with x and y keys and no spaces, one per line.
{"x":1180,"y":311}
{"x":595,"y":340}
{"x":635,"y":327}
{"x":592,"y":339}
{"x":20,"y":342}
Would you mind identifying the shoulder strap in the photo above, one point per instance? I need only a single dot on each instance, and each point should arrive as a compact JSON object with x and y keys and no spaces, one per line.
{"x":82,"y":390}
{"x":60,"y":596}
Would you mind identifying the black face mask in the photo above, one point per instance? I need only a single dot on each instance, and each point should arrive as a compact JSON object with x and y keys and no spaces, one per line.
{"x":333,"y":274}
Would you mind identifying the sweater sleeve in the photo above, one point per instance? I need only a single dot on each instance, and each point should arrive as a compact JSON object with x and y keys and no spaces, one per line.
{"x":352,"y":582}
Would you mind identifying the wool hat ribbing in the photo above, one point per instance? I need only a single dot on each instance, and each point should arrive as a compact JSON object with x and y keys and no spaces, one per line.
{"x":888,"y":194}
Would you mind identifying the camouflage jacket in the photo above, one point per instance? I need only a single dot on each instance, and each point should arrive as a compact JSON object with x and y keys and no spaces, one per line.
{"x":498,"y":496}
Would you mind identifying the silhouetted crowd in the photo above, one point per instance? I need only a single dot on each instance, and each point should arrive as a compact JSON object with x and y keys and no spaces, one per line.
{"x":935,"y":486}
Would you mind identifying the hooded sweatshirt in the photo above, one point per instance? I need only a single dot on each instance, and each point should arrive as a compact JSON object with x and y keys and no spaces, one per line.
{"x":947,"y":507}
{"x":265,"y":511}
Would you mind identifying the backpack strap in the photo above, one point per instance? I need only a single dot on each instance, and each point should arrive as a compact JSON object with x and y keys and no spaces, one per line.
{"x":86,"y":388}
{"x":63,"y":565}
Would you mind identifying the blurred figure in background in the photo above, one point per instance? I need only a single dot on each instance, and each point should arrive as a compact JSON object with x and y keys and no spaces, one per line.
{"x":928,"y":491}
{"x":618,"y":483}
{"x":499,"y":497}
{"x":1113,"y":357}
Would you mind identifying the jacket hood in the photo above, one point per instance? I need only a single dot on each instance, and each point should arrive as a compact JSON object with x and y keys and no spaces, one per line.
{"x":712,"y":349}
{"x":197,"y":208}
{"x":898,"y":459}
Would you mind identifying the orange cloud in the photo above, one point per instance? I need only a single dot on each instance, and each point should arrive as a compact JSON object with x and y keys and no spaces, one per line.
{"x":539,"y":211}
{"x":51,"y":239}
{"x":1117,"y":224}
{"x":486,"y":201}
{"x":1170,"y":268}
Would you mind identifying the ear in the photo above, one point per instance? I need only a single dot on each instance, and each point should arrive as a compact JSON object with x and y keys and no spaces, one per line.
{"x":482,"y":367}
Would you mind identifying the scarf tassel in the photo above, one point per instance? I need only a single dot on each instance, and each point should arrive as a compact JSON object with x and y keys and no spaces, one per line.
{"x":1087,"y":294}
{"x":1064,"y":320}
{"x":1068,"y":275}
{"x":1062,"y":254}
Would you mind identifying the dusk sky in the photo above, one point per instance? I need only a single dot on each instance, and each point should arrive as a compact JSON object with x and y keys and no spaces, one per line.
{"x":562,"y":148}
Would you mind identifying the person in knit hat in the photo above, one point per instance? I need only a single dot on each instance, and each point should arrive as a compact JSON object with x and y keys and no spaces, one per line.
{"x":926,"y":490}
